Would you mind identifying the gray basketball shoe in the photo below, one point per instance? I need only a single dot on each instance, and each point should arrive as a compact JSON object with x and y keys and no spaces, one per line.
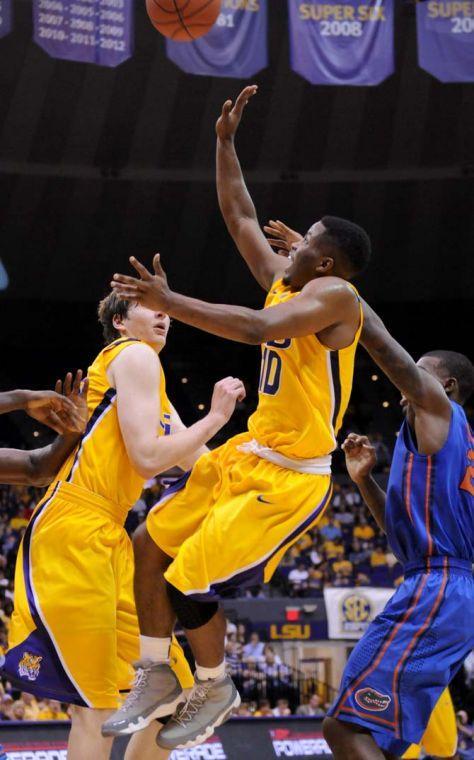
{"x":209,"y":705}
{"x":156,"y":692}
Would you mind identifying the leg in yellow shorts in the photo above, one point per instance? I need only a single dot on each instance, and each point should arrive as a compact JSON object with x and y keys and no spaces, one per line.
{"x":74,"y":631}
{"x":441,"y":737}
{"x":229,"y":523}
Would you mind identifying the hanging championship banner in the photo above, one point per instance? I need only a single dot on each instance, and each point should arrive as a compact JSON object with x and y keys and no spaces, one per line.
{"x":88,"y":31}
{"x":235,"y":47}
{"x":348,"y":42}
{"x":446,"y":40}
{"x":5,"y":17}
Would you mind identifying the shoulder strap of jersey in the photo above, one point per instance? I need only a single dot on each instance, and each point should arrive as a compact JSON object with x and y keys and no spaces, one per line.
{"x":114,"y":349}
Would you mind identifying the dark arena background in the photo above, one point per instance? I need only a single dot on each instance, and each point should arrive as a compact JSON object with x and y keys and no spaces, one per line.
{"x":98,"y":163}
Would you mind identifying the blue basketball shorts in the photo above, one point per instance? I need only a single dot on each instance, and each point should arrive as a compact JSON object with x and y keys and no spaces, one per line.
{"x":410,"y":653}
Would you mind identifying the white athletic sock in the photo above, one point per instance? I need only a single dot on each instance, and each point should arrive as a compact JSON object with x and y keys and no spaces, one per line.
{"x":205,"y":674}
{"x":155,"y":649}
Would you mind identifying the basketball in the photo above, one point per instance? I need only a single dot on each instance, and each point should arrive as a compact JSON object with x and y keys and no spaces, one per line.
{"x":183,"y":20}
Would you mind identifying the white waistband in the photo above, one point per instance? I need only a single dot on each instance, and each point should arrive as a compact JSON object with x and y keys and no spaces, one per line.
{"x":315,"y":466}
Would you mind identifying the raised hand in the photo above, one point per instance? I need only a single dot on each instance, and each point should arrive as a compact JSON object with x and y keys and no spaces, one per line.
{"x":76,"y":391}
{"x":150,"y":290}
{"x":281,"y":237}
{"x":229,"y":120}
{"x":227,"y":393}
{"x":360,"y":456}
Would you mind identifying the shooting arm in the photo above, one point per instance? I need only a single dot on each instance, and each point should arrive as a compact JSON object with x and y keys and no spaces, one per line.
{"x":240,"y":217}
{"x":177,"y":425}
{"x":37,"y":467}
{"x":135,"y":375}
{"x":413,"y":382}
{"x":318,"y":306}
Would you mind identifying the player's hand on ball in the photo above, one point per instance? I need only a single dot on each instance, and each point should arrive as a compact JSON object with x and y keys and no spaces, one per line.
{"x":231,"y":115}
{"x":227,"y":393}
{"x":360,"y":456}
{"x":151,"y":290}
{"x":281,"y":237}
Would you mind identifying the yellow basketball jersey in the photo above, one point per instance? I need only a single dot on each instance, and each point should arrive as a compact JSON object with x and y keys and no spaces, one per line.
{"x":304,"y":391}
{"x":101,"y":463}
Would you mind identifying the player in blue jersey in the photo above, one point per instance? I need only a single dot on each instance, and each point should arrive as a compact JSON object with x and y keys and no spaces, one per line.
{"x":410,"y":653}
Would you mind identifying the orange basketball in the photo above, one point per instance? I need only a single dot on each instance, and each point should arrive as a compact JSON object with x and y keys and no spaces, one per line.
{"x":183,"y":20}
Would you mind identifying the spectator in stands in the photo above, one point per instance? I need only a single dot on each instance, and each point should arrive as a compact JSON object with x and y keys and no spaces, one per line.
{"x":358,"y":554}
{"x":252,"y":676}
{"x":254,"y":648}
{"x":334,"y":549}
{"x":378,"y":558}
{"x":344,"y":567}
{"x":315,"y":581}
{"x":31,"y":706}
{"x":382,"y":452}
{"x":241,"y":633}
{"x":314,"y":556}
{"x":313,"y":708}
{"x":362,"y":579}
{"x":6,"y":707}
{"x":340,"y":580}
{"x":264,"y":709}
{"x":53,"y":711}
{"x":243,"y":711}
{"x":298,"y":579}
{"x":351,"y":496}
{"x":282,"y":709}
{"x":363,"y":530}
{"x":233,"y":656}
{"x":331,"y":530}
{"x":18,"y":710}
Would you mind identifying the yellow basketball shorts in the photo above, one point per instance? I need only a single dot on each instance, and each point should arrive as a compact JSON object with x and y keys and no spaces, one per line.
{"x":74,"y":631}
{"x":441,"y":736}
{"x":228,"y":523}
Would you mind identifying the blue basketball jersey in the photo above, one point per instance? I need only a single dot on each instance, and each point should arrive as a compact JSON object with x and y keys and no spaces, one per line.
{"x":430,"y":504}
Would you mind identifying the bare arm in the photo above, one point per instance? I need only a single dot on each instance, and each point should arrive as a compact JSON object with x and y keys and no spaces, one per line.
{"x":235,"y":202}
{"x":177,"y":425}
{"x":39,"y":466}
{"x":414,"y":383}
{"x":360,"y":461}
{"x":325,"y":302}
{"x":135,"y":375}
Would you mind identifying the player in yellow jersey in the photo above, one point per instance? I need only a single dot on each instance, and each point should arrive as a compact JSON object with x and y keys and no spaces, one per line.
{"x":245,"y":503}
{"x":74,"y":633}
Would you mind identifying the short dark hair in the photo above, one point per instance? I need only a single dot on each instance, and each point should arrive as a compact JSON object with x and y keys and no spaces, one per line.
{"x":110,"y":307}
{"x":351,"y":240}
{"x":460,"y":367}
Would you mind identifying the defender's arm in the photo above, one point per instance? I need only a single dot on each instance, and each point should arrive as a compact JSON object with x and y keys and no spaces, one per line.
{"x":413,"y":382}
{"x":360,"y":461}
{"x":39,"y":466}
{"x":136,"y":377}
{"x":235,"y":202}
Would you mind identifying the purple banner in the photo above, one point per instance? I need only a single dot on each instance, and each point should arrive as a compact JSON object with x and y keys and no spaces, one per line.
{"x":446,"y":40}
{"x":5,"y":17}
{"x":88,"y":31}
{"x":235,"y":47}
{"x":338,"y":43}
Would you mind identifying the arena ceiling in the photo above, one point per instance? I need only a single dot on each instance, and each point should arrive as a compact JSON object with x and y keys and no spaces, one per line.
{"x":98,"y":163}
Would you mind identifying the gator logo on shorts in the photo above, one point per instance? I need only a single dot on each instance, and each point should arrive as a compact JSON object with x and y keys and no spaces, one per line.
{"x":29,"y":666}
{"x":373,"y":700}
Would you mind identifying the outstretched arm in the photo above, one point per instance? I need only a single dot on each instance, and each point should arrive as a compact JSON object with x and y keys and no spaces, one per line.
{"x":39,"y":466}
{"x":235,"y":202}
{"x":322,"y":303}
{"x":360,"y":461}
{"x":413,"y":382}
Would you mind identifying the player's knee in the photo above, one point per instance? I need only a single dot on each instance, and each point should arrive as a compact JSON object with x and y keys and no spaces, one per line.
{"x":330,"y":728}
{"x":190,"y":613}
{"x":145,"y":550}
